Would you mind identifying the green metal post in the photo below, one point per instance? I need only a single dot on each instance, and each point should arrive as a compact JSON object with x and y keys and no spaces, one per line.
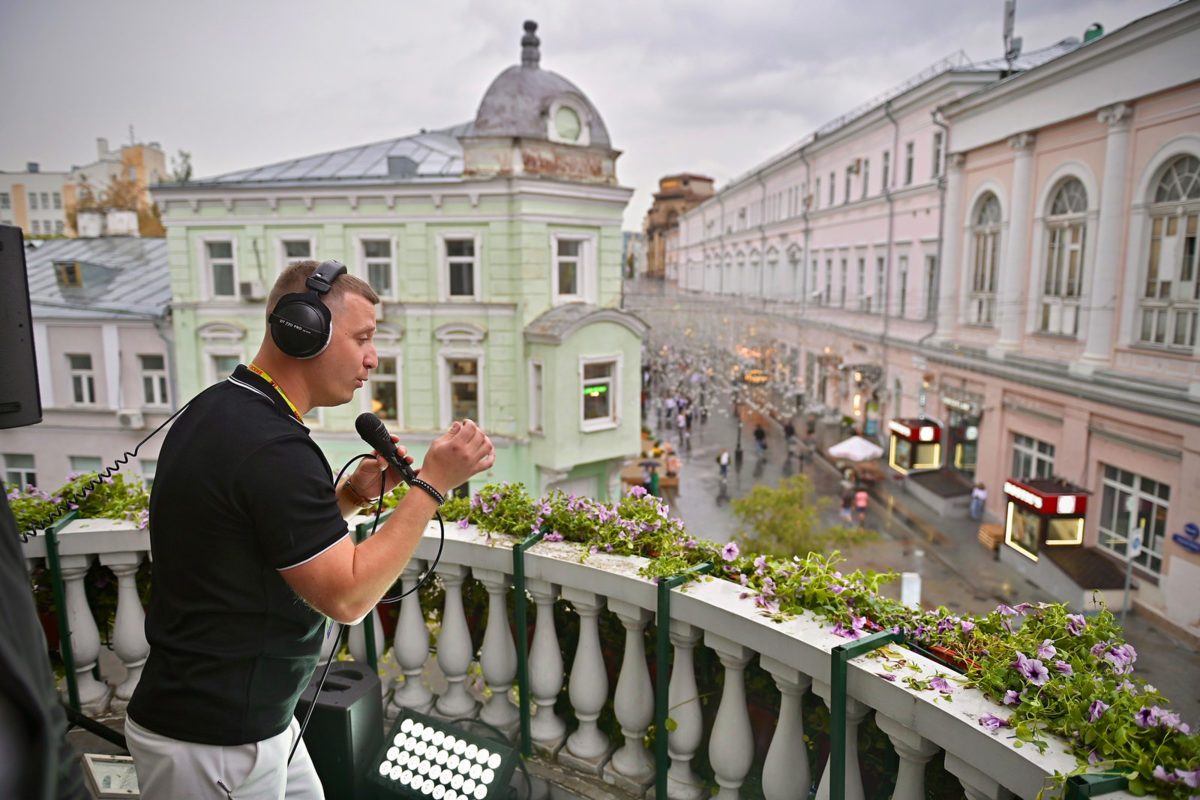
{"x":60,"y":606}
{"x":840,"y":656}
{"x":661,"y":682}
{"x":523,"y":637}
{"x":1081,"y":786}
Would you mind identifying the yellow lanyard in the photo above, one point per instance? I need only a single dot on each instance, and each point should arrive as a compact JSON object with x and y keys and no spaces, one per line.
{"x":259,"y":371}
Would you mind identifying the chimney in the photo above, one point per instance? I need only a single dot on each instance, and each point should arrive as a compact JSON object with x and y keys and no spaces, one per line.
{"x":101,"y":147}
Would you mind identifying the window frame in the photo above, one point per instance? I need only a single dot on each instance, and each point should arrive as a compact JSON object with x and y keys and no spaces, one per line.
{"x":586,"y":277}
{"x":363,"y":265}
{"x":613,"y":418}
{"x":985,"y":261}
{"x":537,"y":396}
{"x":443,"y":238}
{"x":1169,"y":307}
{"x":396,"y":379}
{"x":20,"y":475}
{"x":1034,"y":452}
{"x":159,"y":385}
{"x":1112,"y":487}
{"x":283,"y":259}
{"x":82,"y":380}
{"x":445,"y":381}
{"x":207,"y":263}
{"x":909,"y":162}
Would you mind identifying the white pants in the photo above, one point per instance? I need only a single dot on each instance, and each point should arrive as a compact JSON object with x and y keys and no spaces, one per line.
{"x":170,"y":769}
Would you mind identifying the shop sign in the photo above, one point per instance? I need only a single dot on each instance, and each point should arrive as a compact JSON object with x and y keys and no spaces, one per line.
{"x":1190,"y":541}
{"x":1022,"y":494}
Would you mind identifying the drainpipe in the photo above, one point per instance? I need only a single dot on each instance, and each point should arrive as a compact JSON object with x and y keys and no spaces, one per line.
{"x":886,"y":300}
{"x":807,"y":233}
{"x":935,"y":299}
{"x":162,"y":326}
{"x":721,"y":241}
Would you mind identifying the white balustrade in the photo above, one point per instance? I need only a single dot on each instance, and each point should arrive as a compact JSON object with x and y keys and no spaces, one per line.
{"x":731,"y":745}
{"x":357,"y":638}
{"x":85,"y":636}
{"x":129,"y":626}
{"x":633,"y":702}
{"x":454,"y":651}
{"x":545,"y":667}
{"x":683,"y":708}
{"x":786,"y":774}
{"x":855,"y":713}
{"x":914,"y":752}
{"x":588,"y":688}
{"x":411,"y":647}
{"x":498,"y":655}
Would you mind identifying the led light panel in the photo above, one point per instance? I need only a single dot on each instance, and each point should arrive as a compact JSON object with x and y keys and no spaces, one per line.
{"x":425,"y":757}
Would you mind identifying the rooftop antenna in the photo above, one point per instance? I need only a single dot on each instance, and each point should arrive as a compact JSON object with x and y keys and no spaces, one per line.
{"x":1012,"y":44}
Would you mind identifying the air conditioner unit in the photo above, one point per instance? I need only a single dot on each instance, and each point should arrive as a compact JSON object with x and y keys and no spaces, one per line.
{"x":130,"y":419}
{"x":251,"y":290}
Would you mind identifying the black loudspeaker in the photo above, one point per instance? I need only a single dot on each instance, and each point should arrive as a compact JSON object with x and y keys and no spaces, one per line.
{"x":346,"y":729}
{"x":301,"y":324}
{"x":20,"y":402}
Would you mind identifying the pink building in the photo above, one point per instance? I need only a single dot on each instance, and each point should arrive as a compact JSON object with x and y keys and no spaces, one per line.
{"x":1013,"y":259}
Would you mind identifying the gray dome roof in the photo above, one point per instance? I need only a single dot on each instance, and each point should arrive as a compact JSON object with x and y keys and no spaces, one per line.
{"x":519,"y":101}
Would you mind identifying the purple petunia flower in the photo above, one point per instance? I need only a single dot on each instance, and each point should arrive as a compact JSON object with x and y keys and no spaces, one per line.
{"x":1163,"y":775}
{"x":967,"y":626}
{"x":941,"y":685}
{"x":553,"y":536}
{"x":1064,"y":667}
{"x":638,"y":491}
{"x":1011,"y":697}
{"x":887,"y":676}
{"x":1075,"y":624}
{"x":465,"y":522}
{"x":992,"y":722}
{"x":1033,"y":670}
{"x":1144,"y":718}
{"x":1006,"y":610}
{"x":845,"y":633}
{"x":730,"y":551}
{"x":1191,"y":778}
{"x":1046,"y":649}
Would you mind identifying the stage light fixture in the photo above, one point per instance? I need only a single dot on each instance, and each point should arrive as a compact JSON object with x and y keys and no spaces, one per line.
{"x":428,"y":758}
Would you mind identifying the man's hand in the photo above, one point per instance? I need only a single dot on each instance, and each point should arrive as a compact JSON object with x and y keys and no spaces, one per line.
{"x":453,"y":458}
{"x":365,"y":479}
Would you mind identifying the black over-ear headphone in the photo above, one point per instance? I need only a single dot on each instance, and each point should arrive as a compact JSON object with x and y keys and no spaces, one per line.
{"x":301,"y":324}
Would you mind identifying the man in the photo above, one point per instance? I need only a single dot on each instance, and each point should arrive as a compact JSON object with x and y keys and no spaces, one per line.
{"x":252,"y":553}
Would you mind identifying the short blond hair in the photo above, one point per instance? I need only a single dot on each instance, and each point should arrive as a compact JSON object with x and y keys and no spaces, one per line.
{"x":293,"y":277}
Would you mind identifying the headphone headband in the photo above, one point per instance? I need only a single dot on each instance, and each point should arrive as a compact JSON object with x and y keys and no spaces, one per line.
{"x":321,"y":281}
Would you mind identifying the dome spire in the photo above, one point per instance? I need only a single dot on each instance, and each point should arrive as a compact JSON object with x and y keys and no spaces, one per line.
{"x":530,"y":56}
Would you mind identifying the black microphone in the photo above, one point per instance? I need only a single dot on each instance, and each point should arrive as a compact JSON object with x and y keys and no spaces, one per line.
{"x":373,"y":432}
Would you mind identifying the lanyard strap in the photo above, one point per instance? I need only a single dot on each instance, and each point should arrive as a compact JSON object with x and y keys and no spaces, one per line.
{"x":262,"y":373}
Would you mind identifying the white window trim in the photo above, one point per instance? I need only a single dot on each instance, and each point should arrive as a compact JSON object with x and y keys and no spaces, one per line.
{"x":360,"y":259}
{"x":967,"y":253}
{"x":281,"y":256}
{"x":444,"y":357}
{"x":89,"y":376}
{"x":537,"y":398}
{"x":206,"y":289}
{"x":443,"y":262}
{"x":1037,"y":279}
{"x":212,"y":352}
{"x":577,"y":105}
{"x":365,"y":400}
{"x":614,"y":420}
{"x":587,"y":268}
{"x":161,"y":377}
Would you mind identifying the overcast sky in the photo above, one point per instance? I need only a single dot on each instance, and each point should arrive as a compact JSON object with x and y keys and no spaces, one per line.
{"x":708,"y":86}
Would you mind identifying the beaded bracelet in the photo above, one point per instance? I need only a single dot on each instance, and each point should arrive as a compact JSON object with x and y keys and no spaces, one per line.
{"x":434,"y":493}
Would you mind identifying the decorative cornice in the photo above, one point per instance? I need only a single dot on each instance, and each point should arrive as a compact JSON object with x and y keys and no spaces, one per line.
{"x":1022,"y":142}
{"x":1116,"y":116}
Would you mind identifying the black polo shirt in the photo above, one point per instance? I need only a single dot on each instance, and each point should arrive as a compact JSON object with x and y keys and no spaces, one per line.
{"x":240,"y":492}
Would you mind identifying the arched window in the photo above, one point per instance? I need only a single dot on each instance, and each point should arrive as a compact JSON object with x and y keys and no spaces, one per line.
{"x":1066,"y":227}
{"x":1171,"y":293}
{"x":985,"y":237}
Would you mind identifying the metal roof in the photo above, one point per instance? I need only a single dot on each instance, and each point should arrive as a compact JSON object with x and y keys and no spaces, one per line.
{"x":426,"y":155}
{"x":122,"y":277}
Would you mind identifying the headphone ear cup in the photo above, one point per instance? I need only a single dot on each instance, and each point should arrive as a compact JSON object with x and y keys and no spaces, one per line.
{"x":301,"y":325}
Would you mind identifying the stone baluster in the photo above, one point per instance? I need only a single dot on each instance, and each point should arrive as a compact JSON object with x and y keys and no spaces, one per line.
{"x":683,"y":704}
{"x":731,"y":746}
{"x":129,"y":627}
{"x":357,"y":640}
{"x":410,"y":647}
{"x":914,"y":752}
{"x":454,"y":652}
{"x":976,"y":784}
{"x":631,"y":766}
{"x":545,"y":668}
{"x":786,"y":774}
{"x":85,"y":636}
{"x":587,"y":747}
{"x":498,"y":656}
{"x":855,"y":712}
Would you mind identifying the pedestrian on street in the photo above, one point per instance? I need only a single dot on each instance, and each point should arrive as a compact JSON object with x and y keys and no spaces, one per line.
{"x":789,"y":435}
{"x":760,"y":436}
{"x":846,"y":510}
{"x":723,"y":463}
{"x":978,"y":498}
{"x":860,"y":504}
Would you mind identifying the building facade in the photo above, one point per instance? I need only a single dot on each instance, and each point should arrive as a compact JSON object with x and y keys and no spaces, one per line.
{"x":676,"y":195}
{"x":1012,"y":258}
{"x":102,"y":335}
{"x":496,"y":247}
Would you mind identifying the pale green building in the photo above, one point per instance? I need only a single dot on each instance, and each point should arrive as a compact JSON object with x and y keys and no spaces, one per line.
{"x":496,"y":247}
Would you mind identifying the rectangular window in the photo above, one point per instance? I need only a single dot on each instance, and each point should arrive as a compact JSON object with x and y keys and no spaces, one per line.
{"x":37,"y":227}
{"x":33,"y":206}
{"x":81,"y":465}
{"x":58,"y":200}
{"x":45,"y":200}
{"x":930,"y":287}
{"x":460,"y":263}
{"x":849,"y":175}
{"x":536,"y":396}
{"x":58,"y":226}
{"x":908,"y":163}
{"x":220,"y":268}
{"x":1032,"y":458}
{"x":883,"y":173}
{"x":939,"y":155}
{"x":83,"y":379}
{"x":1170,"y":304}
{"x":149,"y":467}
{"x":378,"y":264}
{"x":567,"y":264}
{"x":19,"y":470}
{"x":832,"y":181}
{"x":385,"y":395}
{"x":1128,"y":502}
{"x":154,"y":380}
{"x":866,"y":176}
{"x":902,"y":294}
{"x":864,"y":302}
{"x":223,"y":366}
{"x":880,"y":274}
{"x":464,"y":388}
{"x":817,"y":194}
{"x":296,"y":250}
{"x":599,"y":394}
{"x":842,"y":287}
{"x":828,"y":281}
{"x":5,"y":201}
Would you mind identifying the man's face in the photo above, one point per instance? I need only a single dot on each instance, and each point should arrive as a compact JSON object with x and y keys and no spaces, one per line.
{"x":343,"y":367}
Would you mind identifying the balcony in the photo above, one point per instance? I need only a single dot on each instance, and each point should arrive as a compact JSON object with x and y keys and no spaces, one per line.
{"x":747,"y":694}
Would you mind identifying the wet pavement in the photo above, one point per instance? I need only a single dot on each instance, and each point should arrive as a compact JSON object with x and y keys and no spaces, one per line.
{"x":956,"y":571}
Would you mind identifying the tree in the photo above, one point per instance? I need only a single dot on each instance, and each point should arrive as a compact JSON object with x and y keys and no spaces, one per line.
{"x":181,"y":167}
{"x":784,"y":521}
